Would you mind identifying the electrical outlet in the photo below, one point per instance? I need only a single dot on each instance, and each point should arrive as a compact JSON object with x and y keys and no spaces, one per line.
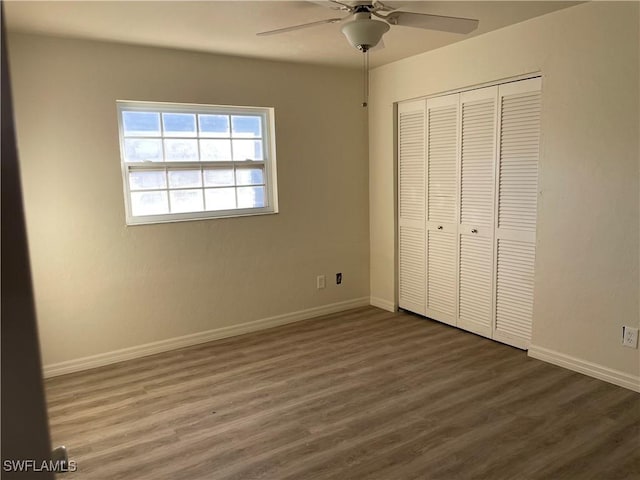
{"x":629,"y":337}
{"x":320,"y":282}
{"x":338,"y":278}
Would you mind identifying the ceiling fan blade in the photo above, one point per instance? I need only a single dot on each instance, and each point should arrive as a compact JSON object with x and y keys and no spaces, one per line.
{"x":382,"y":7}
{"x":431,"y":22}
{"x":298,"y":27}
{"x":332,"y":4}
{"x":341,"y":5}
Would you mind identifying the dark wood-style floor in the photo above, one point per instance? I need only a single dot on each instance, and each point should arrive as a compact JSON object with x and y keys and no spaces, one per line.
{"x":364,"y":394}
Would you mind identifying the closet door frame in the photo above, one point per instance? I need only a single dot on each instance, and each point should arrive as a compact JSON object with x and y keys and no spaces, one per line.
{"x":515,"y":85}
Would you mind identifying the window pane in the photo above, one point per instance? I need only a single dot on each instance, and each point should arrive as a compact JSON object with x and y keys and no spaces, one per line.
{"x":142,"y":150}
{"x":185,"y":178}
{"x":246,"y":126}
{"x":211,"y":150}
{"x":179,"y":124}
{"x":247,"y":149}
{"x":250,"y":197}
{"x":249,"y":176}
{"x":220,"y":198}
{"x":149,"y":203}
{"x":183,"y":201}
{"x":214,"y":125}
{"x":147,"y":180}
{"x":218,"y":177}
{"x":145,"y":124}
{"x":181,"y":150}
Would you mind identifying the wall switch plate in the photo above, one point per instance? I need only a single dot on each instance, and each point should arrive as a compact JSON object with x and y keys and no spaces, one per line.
{"x":629,"y":337}
{"x":320,"y":282}
{"x":338,"y":278}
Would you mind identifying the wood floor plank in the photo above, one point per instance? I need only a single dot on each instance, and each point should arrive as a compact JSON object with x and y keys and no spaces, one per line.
{"x":363,"y":394}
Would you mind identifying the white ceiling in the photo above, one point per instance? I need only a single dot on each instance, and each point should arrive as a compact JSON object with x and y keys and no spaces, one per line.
{"x":229,"y":27}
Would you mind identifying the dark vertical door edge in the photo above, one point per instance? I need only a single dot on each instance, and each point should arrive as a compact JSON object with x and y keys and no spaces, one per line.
{"x":25,"y":432}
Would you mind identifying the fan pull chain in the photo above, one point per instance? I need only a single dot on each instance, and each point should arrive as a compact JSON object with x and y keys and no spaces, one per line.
{"x":365,"y":78}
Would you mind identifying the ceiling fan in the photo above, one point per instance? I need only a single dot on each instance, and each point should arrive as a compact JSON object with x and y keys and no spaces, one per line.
{"x":365,"y":32}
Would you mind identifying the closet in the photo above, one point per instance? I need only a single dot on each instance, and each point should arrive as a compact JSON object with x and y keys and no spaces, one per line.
{"x":467,"y":172}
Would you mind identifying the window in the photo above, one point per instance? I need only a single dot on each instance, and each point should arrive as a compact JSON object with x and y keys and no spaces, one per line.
{"x":190,"y":162}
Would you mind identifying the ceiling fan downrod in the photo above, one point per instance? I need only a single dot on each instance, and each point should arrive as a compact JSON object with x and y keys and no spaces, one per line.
{"x":365,"y":79}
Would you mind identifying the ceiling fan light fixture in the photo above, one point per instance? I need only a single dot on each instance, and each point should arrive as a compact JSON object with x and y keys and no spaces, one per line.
{"x":363,"y":32}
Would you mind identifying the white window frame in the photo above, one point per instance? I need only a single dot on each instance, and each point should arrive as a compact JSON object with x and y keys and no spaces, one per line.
{"x":268,"y":162}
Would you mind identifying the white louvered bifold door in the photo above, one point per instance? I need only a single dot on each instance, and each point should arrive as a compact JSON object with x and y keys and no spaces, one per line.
{"x":476,"y":229}
{"x":411,"y":178}
{"x":517,"y":171}
{"x":443,"y":139}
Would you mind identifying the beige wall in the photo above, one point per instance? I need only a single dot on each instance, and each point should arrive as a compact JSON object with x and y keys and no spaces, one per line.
{"x":587,"y":265}
{"x":101,"y":286}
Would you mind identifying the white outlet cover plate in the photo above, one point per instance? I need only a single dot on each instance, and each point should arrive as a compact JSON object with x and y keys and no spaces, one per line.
{"x":630,"y":337}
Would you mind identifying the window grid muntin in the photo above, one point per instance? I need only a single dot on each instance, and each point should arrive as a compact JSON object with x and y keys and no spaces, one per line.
{"x":267,"y":185}
{"x":202,"y":187}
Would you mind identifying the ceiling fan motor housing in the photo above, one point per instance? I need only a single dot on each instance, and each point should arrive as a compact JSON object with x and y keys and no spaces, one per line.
{"x":363,"y":32}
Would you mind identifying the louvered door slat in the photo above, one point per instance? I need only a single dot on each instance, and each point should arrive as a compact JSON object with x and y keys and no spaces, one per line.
{"x":411,"y":238}
{"x":514,"y":287}
{"x":443,"y":139}
{"x":520,"y":131}
{"x":517,"y":211}
{"x":441,"y":275}
{"x":412,"y":266}
{"x":478,"y":161}
{"x":411,"y":164}
{"x":477,"y":184}
{"x":442,"y":164}
{"x":476,"y":283}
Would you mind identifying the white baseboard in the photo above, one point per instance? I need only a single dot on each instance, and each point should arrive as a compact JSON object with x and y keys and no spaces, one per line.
{"x":383,"y":304}
{"x":595,"y":370}
{"x":93,"y":361}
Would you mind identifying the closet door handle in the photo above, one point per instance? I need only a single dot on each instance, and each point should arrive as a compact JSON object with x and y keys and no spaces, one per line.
{"x":439,"y":227}
{"x":475,"y":230}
